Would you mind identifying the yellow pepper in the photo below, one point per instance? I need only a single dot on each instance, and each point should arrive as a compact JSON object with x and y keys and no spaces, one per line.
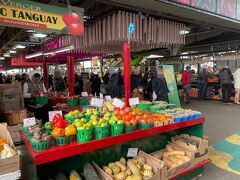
{"x":58,"y":132}
{"x":70,"y":130}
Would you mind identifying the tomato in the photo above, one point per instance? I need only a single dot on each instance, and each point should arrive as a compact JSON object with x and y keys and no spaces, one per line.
{"x":137,"y":117}
{"x":120,"y":116}
{"x":121,"y":112}
{"x":127,"y":109}
{"x":142,"y":120}
{"x":134,"y":113}
{"x":145,"y":116}
{"x":133,"y":122}
{"x":127,"y":123}
{"x":116,"y":109}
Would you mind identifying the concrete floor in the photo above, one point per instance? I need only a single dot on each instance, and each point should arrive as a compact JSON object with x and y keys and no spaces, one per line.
{"x":221,"y":121}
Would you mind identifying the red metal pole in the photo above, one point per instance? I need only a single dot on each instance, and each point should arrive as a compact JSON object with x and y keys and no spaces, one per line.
{"x":70,"y":66}
{"x":45,"y":74}
{"x":127,"y":71}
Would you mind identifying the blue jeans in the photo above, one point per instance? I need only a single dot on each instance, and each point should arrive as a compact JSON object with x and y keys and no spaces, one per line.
{"x":201,"y":91}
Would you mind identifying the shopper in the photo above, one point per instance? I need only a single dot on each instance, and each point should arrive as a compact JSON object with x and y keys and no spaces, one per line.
{"x":78,"y":84}
{"x":226,"y":79}
{"x":95,"y":84}
{"x":159,"y":85}
{"x":1,"y":78}
{"x":120,"y":84}
{"x":147,"y":83}
{"x":236,"y":76}
{"x":112,"y":83}
{"x":202,"y":83}
{"x":50,"y":81}
{"x":136,"y":80}
{"x":186,"y":83}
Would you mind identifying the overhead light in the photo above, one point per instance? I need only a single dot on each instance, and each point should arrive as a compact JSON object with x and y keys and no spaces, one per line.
{"x":30,"y":31}
{"x":39,"y":35}
{"x":14,"y":48}
{"x":34,"y":55}
{"x":6,"y":54}
{"x":20,"y":46}
{"x":59,"y":50}
{"x":183,"y":32}
{"x":13,"y":51}
{"x":2,"y":58}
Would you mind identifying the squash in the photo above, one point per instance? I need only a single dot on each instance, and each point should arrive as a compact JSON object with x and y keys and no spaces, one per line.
{"x":128,"y":171}
{"x":147,"y":167}
{"x":136,"y":177}
{"x":115,"y":169}
{"x":123,"y":161}
{"x":111,"y":164}
{"x":140,"y":160}
{"x":74,"y":175}
{"x":134,"y":169}
{"x":129,"y":178}
{"x":108,"y":170}
{"x":122,"y":167}
{"x":147,"y":173}
{"x":167,"y":154}
{"x":120,"y":176}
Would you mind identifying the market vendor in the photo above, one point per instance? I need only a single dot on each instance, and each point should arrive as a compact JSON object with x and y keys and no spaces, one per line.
{"x":30,"y":89}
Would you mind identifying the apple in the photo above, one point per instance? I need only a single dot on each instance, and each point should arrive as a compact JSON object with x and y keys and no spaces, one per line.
{"x":76,"y":112}
{"x":79,"y":124}
{"x":80,"y":127}
{"x":120,"y":122}
{"x":104,"y":124}
{"x":88,"y":125}
{"x":115,"y":118}
{"x":108,"y":114}
{"x":94,"y":122}
{"x":83,"y":120}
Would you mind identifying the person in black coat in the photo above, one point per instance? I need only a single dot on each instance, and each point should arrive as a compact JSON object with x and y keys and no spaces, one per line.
{"x":159,"y":86}
{"x":136,"y":80}
{"x":95,"y":84}
{"x":78,"y":85}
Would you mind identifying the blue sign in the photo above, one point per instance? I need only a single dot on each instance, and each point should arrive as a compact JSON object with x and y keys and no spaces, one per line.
{"x":131,"y":28}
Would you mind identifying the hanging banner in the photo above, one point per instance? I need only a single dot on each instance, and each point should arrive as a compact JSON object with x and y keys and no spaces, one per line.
{"x":33,"y":15}
{"x":172,"y":85}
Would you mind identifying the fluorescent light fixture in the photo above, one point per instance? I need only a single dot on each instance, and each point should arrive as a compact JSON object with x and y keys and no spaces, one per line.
{"x":2,"y":58}
{"x":183,"y":32}
{"x":13,"y":51}
{"x":34,"y":55}
{"x":6,"y":54}
{"x":30,"y":31}
{"x":39,"y":35}
{"x":155,"y":56}
{"x":20,"y":46}
{"x":59,"y":50}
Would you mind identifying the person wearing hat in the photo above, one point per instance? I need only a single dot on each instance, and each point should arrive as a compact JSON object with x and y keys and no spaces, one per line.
{"x":30,"y":88}
{"x":186,"y":83}
{"x":95,"y":83}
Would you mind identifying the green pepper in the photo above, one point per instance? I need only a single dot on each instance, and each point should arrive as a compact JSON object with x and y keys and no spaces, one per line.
{"x":48,"y":126}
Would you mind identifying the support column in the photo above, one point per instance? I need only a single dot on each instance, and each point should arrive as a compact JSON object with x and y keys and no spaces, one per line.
{"x":127,"y":71}
{"x":70,"y":67}
{"x":45,"y":74}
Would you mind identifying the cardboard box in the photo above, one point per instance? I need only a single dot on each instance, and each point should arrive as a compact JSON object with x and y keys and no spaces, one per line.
{"x":169,"y":173}
{"x":200,"y":152}
{"x":14,"y":132}
{"x":155,"y":163}
{"x":11,"y":164}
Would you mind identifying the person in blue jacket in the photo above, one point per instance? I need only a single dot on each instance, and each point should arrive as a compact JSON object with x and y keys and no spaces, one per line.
{"x":159,"y":85}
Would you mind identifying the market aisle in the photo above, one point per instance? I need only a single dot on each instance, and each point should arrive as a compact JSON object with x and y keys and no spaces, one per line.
{"x":221,"y":121}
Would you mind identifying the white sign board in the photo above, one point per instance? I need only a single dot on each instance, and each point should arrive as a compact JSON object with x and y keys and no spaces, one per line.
{"x":132,"y":152}
{"x":118,"y":103}
{"x":84,"y":94}
{"x":101,"y":95}
{"x":133,"y":101}
{"x":108,"y":98}
{"x":96,"y":102}
{"x":29,"y":122}
{"x":51,"y":114}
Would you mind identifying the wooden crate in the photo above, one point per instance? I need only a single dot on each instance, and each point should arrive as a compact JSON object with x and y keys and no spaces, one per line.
{"x":15,"y":117}
{"x":10,"y":164}
{"x":10,"y":89}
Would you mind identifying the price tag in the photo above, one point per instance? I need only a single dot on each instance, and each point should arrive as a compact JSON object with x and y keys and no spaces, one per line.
{"x":108,"y":98}
{"x":51,"y":114}
{"x":133,"y":101}
{"x":118,"y":103}
{"x":101,"y":95}
{"x":29,"y":122}
{"x":84,"y":94}
{"x":132,"y":152}
{"x":96,"y":102}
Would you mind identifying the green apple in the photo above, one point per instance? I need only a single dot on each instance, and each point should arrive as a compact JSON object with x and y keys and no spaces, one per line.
{"x":81,"y":128}
{"x":79,"y":124}
{"x":104,"y":124}
{"x":88,"y":125}
{"x":120,"y":122}
{"x":108,"y":114}
{"x":67,"y":115}
{"x":115,"y":118}
{"x":76,"y":112}
{"x":93,"y":117}
{"x":94,"y":122}
{"x":83,"y":120}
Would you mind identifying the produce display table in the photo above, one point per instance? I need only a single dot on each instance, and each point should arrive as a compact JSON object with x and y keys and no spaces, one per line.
{"x":74,"y":155}
{"x":68,"y":109}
